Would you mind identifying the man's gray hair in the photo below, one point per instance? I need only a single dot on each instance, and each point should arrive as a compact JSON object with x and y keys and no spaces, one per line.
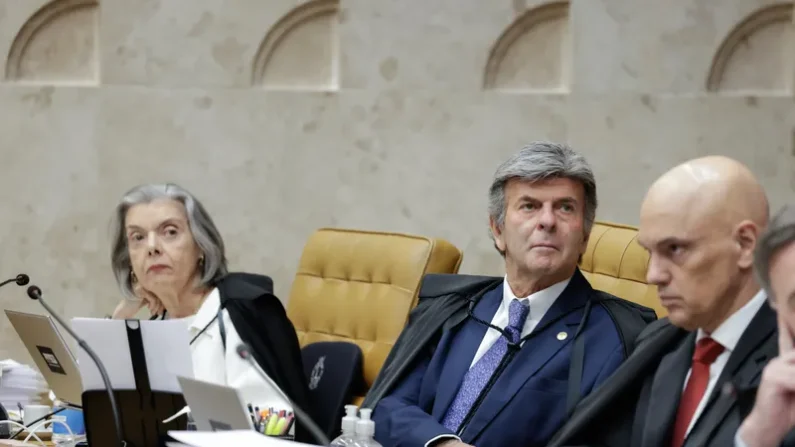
{"x":542,"y":160}
{"x":779,"y":234}
{"x":204,"y":231}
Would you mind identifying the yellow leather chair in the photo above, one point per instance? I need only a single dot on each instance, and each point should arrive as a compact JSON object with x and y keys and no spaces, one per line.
{"x":616,"y":264}
{"x":359,"y":286}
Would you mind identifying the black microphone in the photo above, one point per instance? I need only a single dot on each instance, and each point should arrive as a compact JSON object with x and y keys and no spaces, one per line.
{"x":21,"y":280}
{"x":245,"y":353}
{"x":35,"y":293}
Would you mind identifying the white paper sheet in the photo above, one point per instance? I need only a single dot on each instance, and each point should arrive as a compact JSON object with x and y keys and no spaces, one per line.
{"x":248,"y":438}
{"x":166,"y":347}
{"x":108,"y":339}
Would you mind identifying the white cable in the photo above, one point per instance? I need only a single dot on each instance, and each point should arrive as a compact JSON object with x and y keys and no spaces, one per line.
{"x":18,"y":425}
{"x":62,"y":404}
{"x":33,"y":429}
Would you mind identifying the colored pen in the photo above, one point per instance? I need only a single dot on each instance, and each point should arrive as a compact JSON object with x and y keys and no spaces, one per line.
{"x":272,"y":425}
{"x":283,"y":424}
{"x":253,"y":417}
{"x":290,"y":421}
{"x":263,"y":416}
{"x":279,"y":430}
{"x":264,"y":425}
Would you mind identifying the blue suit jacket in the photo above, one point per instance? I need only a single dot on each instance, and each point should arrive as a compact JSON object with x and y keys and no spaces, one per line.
{"x":527,"y":403}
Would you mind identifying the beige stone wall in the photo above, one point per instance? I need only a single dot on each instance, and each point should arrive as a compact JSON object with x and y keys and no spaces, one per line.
{"x":284,"y":116}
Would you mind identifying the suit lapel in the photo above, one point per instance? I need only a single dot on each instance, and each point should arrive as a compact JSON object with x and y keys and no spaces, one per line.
{"x":463,"y":347}
{"x":666,"y":390}
{"x":756,"y":347}
{"x":644,"y":359}
{"x":564,"y":316}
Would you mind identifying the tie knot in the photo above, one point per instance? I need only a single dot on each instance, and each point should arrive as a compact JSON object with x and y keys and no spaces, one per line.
{"x":517,"y":314}
{"x":707,"y":350}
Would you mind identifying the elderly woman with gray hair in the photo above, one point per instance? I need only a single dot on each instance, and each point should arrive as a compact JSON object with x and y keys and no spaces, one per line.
{"x":168,"y":255}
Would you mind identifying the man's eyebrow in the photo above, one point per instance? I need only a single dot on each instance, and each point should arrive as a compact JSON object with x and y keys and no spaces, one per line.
{"x":558,"y":200}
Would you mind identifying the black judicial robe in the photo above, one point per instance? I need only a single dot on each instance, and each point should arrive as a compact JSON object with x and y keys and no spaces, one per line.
{"x":261,"y":321}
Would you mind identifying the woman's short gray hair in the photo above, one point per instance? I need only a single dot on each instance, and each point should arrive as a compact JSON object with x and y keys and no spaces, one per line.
{"x":779,"y":234}
{"x":201,"y":226}
{"x":542,"y":160}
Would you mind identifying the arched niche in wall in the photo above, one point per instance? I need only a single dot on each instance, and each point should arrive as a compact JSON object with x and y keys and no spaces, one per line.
{"x":300,"y":50}
{"x":533,"y":53}
{"x":758,"y":53}
{"x":57,"y":44}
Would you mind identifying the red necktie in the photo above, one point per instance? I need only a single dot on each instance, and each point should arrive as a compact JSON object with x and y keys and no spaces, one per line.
{"x":707,"y":350}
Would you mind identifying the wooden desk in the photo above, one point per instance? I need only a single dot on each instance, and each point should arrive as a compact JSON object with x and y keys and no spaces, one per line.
{"x":17,"y":443}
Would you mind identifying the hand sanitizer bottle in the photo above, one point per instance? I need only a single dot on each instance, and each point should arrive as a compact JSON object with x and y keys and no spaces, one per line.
{"x":365,"y":429}
{"x":347,"y":438}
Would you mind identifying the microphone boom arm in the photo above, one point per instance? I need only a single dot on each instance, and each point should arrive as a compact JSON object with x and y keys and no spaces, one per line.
{"x":21,"y":280}
{"x":35,"y":293}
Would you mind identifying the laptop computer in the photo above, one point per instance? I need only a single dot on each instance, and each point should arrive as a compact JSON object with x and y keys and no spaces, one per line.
{"x":50,"y":353}
{"x":215,"y":407}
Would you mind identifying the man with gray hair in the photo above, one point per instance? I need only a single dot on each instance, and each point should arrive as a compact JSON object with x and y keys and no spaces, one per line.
{"x":773,"y":415}
{"x":502,"y":360}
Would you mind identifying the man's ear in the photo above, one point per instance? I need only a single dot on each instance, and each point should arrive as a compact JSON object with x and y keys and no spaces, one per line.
{"x":496,"y":233}
{"x":586,"y":238}
{"x":746,"y":235}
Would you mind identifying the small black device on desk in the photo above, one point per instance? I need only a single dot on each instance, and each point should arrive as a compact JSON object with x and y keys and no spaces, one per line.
{"x":4,"y":428}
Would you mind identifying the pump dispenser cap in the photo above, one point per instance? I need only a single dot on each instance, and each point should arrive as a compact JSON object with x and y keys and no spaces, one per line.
{"x":349,"y":420}
{"x":365,"y":426}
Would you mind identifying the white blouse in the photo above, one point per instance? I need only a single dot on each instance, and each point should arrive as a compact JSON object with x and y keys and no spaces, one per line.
{"x":212,"y":364}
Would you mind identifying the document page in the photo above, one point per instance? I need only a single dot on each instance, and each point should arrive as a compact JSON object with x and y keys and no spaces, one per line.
{"x":166,"y":348}
{"x":248,"y":438}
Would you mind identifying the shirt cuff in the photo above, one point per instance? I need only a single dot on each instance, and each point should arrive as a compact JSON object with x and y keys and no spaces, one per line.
{"x":738,"y":441}
{"x":444,"y":437}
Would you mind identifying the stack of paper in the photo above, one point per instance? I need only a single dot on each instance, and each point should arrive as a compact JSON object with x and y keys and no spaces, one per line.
{"x":248,"y":438}
{"x":20,"y":385}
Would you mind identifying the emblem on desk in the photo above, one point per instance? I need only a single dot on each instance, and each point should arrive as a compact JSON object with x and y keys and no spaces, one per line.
{"x":317,"y":372}
{"x":562,"y":336}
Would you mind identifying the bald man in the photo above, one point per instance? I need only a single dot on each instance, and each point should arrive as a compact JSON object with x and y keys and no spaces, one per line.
{"x":699,"y":222}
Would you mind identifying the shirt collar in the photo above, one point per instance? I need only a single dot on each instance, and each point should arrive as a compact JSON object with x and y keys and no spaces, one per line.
{"x":206,"y":313}
{"x":729,"y":332}
{"x":539,"y":302}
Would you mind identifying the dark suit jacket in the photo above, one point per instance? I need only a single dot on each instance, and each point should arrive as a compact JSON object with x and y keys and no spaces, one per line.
{"x":637,"y":406}
{"x":527,"y":403}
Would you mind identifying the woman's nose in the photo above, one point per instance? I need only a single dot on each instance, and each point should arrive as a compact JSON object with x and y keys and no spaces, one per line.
{"x":152,"y":244}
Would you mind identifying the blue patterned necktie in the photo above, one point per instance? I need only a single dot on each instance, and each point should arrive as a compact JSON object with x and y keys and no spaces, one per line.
{"x":479,"y":374}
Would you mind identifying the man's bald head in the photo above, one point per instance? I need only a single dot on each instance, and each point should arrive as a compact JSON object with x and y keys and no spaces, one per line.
{"x":700,"y":222}
{"x":716,"y":189}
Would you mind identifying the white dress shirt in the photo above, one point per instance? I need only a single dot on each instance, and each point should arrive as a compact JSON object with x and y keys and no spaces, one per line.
{"x":728,"y":335}
{"x":212,"y":364}
{"x":539,"y":303}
